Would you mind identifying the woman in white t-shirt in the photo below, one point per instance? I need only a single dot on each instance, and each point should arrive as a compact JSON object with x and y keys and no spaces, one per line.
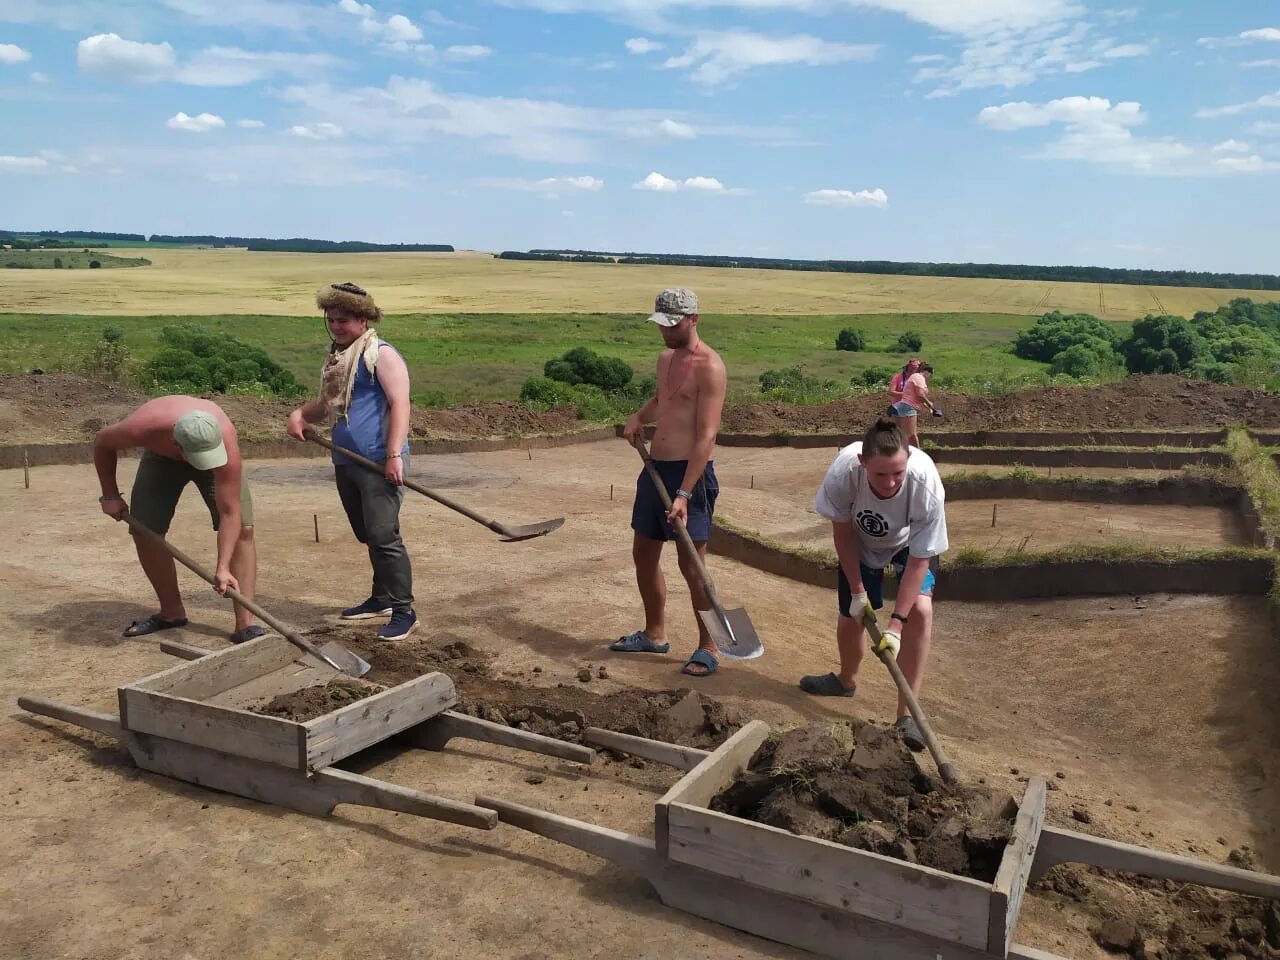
{"x":884,"y":499}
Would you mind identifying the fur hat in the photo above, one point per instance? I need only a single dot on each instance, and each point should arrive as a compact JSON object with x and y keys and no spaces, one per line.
{"x":349,"y":298}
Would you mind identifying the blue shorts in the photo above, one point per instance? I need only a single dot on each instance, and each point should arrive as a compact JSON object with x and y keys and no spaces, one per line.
{"x":649,"y":516}
{"x":873,"y":580}
{"x":902,"y":409}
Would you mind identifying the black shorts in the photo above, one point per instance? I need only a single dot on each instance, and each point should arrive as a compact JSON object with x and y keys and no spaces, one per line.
{"x":873,"y":580}
{"x":649,"y":516}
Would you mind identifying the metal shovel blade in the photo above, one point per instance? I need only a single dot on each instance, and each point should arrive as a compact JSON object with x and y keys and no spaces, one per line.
{"x":734,"y":635}
{"x":530,"y":530}
{"x":340,"y":658}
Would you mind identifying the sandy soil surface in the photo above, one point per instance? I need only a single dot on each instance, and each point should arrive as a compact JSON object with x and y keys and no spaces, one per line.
{"x":1181,"y":753}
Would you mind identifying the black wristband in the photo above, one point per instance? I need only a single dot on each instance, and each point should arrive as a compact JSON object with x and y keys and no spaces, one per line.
{"x":897,"y":616}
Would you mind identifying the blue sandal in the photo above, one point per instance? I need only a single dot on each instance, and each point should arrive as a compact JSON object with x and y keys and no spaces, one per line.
{"x":248,"y":633}
{"x":703,"y":659}
{"x":153,"y":623}
{"x":638,"y":642}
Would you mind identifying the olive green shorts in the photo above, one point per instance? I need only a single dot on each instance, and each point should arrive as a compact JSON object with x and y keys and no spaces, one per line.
{"x":160,"y":482}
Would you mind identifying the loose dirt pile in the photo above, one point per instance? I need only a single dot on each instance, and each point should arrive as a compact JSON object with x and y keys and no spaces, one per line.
{"x":1164,"y":920}
{"x":311,"y":702}
{"x":858,"y":785}
{"x":1136,"y":403}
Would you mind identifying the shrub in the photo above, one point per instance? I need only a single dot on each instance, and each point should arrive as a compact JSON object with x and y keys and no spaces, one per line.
{"x":95,"y":264}
{"x":561,"y":370}
{"x":1162,"y":345}
{"x":875,"y":377}
{"x":191,"y":360}
{"x":1075,"y":361}
{"x":910,"y":341}
{"x":108,"y":359}
{"x":851,"y":339}
{"x":581,"y":365}
{"x":1054,"y":332}
{"x":57,"y":263}
{"x":793,"y":385}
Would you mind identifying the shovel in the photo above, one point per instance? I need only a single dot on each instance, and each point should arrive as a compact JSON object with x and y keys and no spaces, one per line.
{"x":332,"y":653}
{"x":945,"y":767}
{"x":508,"y":534}
{"x":731,"y":630}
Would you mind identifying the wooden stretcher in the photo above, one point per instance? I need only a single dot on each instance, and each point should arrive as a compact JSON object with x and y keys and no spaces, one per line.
{"x":832,"y":900}
{"x":190,"y":722}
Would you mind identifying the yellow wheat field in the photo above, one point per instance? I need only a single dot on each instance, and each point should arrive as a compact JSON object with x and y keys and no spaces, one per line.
{"x":196,"y":281}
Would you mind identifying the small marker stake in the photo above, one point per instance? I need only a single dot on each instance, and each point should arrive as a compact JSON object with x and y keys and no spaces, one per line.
{"x":753,"y":481}
{"x":26,"y":471}
{"x":315,"y":519}
{"x":611,"y":491}
{"x":530,"y":451}
{"x":993,"y":514}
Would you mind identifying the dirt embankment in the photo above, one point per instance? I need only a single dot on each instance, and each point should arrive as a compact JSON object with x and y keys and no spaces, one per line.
{"x":60,"y":407}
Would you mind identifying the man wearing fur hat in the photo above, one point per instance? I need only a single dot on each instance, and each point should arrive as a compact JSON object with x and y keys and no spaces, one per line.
{"x":365,"y":385}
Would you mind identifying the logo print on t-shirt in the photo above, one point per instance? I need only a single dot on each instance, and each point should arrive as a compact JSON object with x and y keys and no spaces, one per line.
{"x":872,"y":523}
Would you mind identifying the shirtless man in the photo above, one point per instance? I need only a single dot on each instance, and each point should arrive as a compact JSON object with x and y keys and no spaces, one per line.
{"x":184,"y":440}
{"x":690,"y":396}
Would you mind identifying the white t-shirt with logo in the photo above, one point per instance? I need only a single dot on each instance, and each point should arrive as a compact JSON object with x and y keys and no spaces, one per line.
{"x":913,"y":517}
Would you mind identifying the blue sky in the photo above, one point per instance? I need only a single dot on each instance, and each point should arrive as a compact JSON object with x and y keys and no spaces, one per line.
{"x":1034,"y":131}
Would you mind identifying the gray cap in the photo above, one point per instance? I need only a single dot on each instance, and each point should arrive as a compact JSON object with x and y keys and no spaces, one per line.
{"x":199,"y":436}
{"x":673,"y":305}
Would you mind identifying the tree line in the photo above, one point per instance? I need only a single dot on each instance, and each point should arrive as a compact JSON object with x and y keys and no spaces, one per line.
{"x":303,"y":244}
{"x":986,"y":271}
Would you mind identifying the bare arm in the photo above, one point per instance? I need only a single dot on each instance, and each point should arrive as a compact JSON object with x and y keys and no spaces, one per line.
{"x":393,"y":376}
{"x":106,"y":454}
{"x":226,"y":495}
{"x":710,"y":405}
{"x":849,"y":553}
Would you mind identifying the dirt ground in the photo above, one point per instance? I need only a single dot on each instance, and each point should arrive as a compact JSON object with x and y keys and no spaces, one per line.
{"x":65,"y":407}
{"x":1146,"y":712}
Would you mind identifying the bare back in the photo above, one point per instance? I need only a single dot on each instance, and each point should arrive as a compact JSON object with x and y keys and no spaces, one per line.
{"x":690,"y":400}
{"x":151,"y":426}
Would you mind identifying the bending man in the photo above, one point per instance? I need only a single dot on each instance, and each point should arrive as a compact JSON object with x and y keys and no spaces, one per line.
{"x":885,"y":503}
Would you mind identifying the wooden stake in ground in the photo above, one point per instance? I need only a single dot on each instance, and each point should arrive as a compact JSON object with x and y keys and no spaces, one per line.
{"x":26,"y":471}
{"x":315,"y":519}
{"x":993,"y":514}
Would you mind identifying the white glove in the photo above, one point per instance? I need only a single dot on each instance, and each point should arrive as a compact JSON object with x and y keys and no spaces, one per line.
{"x":890,"y":643}
{"x":859,"y":606}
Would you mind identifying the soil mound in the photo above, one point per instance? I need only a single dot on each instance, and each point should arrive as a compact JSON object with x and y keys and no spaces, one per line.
{"x":858,"y":785}
{"x":311,"y":702}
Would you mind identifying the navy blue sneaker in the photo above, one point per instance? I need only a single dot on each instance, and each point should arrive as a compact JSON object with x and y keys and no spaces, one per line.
{"x":401,"y":624}
{"x":367,"y":610}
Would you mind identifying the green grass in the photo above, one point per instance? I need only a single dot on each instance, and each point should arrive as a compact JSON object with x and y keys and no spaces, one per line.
{"x":461,"y":358}
{"x":1223,"y":476}
{"x":71,"y":259}
{"x":1260,"y":475}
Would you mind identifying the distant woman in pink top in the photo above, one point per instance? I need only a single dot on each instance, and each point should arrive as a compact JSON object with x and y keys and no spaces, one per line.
{"x":900,"y":379}
{"x":915,"y":400}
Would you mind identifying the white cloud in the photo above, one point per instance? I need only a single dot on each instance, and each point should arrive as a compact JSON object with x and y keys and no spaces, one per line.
{"x":11,"y":164}
{"x":1081,"y":111}
{"x":658,"y":183}
{"x":1271,"y":34}
{"x":1231,"y":146}
{"x":676,"y":130}
{"x":11,"y":53}
{"x":250,"y":124}
{"x":1254,"y":64}
{"x":719,"y":57}
{"x":1264,"y":128}
{"x":1250,"y":164}
{"x":549,"y":187}
{"x":1266,"y":100}
{"x":114,"y":58}
{"x":358,"y":9}
{"x":400,"y":29}
{"x":223,"y":178}
{"x":38,"y":77}
{"x":233,"y":67}
{"x":200,"y":123}
{"x":464,"y":52}
{"x":316,"y":131}
{"x":927,"y":58}
{"x":1126,"y":50}
{"x":288,"y":15}
{"x":708,"y":184}
{"x":847,"y":198}
{"x":641,"y":45}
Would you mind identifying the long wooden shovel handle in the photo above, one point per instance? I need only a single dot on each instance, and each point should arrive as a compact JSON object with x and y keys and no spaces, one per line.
{"x":682,"y":534}
{"x":945,"y":767}
{"x":140,"y":528}
{"x":494,"y":525}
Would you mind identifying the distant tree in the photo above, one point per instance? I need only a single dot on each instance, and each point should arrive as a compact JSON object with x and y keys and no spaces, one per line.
{"x":851,"y":339}
{"x":1054,"y":332}
{"x":95,"y":264}
{"x":57,"y":263}
{"x":910,"y":341}
{"x":1165,"y":344}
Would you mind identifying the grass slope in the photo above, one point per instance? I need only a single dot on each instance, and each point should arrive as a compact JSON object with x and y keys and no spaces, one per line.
{"x":71,"y":259}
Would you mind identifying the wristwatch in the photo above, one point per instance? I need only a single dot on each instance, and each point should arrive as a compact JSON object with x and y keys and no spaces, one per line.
{"x":114,"y":496}
{"x":897,"y":616}
{"x":684,"y":493}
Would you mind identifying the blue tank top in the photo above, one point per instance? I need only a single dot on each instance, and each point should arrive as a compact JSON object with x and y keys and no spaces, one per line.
{"x":364,"y":428}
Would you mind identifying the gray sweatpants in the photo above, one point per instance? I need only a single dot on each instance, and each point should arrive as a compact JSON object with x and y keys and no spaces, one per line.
{"x":373,"y":508}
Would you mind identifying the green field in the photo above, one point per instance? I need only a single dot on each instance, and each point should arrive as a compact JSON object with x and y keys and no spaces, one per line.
{"x":459,"y":358}
{"x":69,"y":259}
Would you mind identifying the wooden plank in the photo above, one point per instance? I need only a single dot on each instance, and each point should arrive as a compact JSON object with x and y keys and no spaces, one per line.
{"x":225,"y":729}
{"x":438,"y":731}
{"x":187,"y":651}
{"x":908,"y":895}
{"x":1020,"y":952}
{"x":347,"y":787}
{"x":291,"y":677}
{"x":1067,"y":846}
{"x":107,"y":723}
{"x":1015,"y":868}
{"x":373,"y":719}
{"x":625,"y":849}
{"x":209,"y":675}
{"x":799,"y":923}
{"x":672,"y":754}
{"x":710,"y":776}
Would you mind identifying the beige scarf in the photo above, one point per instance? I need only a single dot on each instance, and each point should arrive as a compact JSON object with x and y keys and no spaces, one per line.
{"x":338,"y":377}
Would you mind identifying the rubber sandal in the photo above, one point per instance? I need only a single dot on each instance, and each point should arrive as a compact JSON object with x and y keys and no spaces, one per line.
{"x":910,"y":733}
{"x":826,"y":686}
{"x":248,"y":633}
{"x":140,"y":628}
{"x":704,"y":659}
{"x":638,"y":642}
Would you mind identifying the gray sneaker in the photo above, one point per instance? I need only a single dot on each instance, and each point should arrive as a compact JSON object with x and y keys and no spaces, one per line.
{"x":910,"y":733}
